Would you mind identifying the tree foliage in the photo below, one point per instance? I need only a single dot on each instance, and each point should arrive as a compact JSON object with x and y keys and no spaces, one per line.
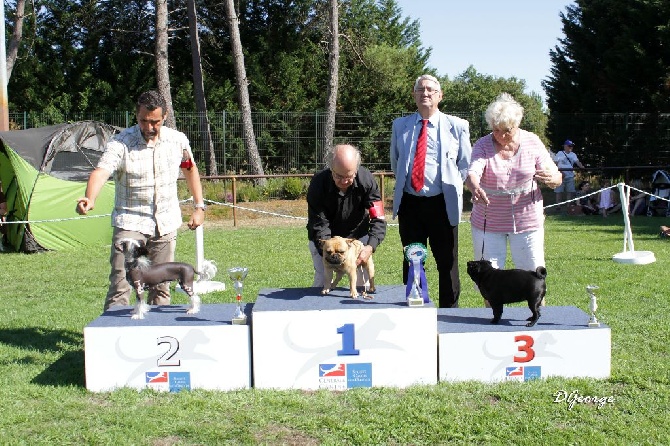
{"x":613,"y":61}
{"x":87,"y":56}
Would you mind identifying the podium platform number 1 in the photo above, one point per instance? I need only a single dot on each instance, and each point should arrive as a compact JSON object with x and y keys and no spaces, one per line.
{"x":526,"y":348}
{"x":348,"y":341}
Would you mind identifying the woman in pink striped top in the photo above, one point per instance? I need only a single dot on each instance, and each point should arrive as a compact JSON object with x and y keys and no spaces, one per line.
{"x":503,"y":177}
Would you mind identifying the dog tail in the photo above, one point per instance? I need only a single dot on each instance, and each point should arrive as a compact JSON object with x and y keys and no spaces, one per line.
{"x":540,"y":272}
{"x":208,"y":272}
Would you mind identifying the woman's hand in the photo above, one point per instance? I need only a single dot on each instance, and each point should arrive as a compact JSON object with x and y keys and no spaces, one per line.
{"x":479,"y":196}
{"x":550,"y":177}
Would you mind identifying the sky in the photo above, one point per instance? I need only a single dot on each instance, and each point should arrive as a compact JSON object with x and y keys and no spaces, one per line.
{"x":509,"y":38}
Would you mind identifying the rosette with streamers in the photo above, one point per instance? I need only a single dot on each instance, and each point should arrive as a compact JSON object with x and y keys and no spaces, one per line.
{"x":417,"y":285}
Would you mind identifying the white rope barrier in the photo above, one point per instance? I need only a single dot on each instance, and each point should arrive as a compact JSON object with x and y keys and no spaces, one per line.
{"x":275,"y":214}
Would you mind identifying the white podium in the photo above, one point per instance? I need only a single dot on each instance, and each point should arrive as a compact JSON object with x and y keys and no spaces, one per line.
{"x":304,"y":340}
{"x":560,"y":344}
{"x":169,"y":350}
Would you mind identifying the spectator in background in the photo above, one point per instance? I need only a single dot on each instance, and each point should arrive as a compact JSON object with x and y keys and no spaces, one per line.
{"x":608,"y":203}
{"x":587,"y":203}
{"x":638,"y":198}
{"x":566,"y":160}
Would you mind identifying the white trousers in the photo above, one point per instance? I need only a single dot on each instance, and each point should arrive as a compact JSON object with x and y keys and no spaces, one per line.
{"x":527,"y":248}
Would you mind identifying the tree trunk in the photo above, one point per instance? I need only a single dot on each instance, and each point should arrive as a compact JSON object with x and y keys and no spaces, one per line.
{"x":162,"y":66}
{"x":333,"y":77}
{"x":255,"y":165}
{"x":15,"y":40}
{"x":199,"y":90}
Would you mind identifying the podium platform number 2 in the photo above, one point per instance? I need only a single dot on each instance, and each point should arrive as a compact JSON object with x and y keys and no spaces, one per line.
{"x":348,"y":341}
{"x":526,"y":347}
{"x":168,"y":359}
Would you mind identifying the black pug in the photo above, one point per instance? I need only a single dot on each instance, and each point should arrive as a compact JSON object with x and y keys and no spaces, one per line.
{"x":506,"y":286}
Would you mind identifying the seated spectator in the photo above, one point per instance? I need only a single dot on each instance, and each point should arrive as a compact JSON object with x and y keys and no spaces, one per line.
{"x":608,"y":202}
{"x":587,"y":203}
{"x":638,"y":199}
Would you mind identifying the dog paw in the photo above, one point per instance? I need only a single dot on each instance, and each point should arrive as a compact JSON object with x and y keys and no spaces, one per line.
{"x":137,"y":316}
{"x":495,"y":321}
{"x":193,"y":310}
{"x":372,"y":289}
{"x":325,"y":291}
{"x":530,"y":324}
{"x":353,"y":295}
{"x":367,"y":296}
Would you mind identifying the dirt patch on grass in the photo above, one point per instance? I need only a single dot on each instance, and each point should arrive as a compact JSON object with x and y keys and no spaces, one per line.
{"x":261,"y":214}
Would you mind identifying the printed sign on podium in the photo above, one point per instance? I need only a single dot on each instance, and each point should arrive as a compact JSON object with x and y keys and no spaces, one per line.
{"x":168,"y":350}
{"x":560,"y":344}
{"x":304,"y":340}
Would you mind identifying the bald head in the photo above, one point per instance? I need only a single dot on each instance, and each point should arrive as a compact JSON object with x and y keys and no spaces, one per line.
{"x":345,"y":157}
{"x":344,"y":161}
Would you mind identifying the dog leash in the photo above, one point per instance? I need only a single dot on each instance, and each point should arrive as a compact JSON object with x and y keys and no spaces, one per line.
{"x":484,"y":234}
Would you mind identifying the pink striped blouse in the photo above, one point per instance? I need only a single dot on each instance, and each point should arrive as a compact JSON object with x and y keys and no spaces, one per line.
{"x":515,"y":199}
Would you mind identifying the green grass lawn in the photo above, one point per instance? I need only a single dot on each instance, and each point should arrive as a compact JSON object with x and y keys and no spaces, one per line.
{"x":47,"y":299}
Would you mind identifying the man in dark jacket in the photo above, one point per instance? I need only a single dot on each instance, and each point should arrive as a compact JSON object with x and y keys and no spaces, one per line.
{"x":344,"y":200}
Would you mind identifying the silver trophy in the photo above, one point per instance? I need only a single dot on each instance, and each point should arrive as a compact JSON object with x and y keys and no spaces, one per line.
{"x":593,"y":305}
{"x":237,"y":275}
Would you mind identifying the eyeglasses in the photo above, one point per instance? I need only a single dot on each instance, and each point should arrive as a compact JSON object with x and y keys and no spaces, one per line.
{"x":506,"y":131}
{"x":429,"y":90}
{"x":343,"y":178}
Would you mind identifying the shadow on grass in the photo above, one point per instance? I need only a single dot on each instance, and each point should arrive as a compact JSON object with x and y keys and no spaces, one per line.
{"x":68,"y":369}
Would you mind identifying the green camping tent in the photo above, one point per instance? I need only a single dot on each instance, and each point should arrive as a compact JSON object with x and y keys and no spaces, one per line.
{"x":43,"y":171}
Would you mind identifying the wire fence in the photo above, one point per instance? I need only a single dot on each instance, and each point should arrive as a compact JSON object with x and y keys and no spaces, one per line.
{"x":293,"y":142}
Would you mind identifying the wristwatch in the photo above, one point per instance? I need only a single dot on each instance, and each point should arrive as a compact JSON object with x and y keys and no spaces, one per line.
{"x":202,"y":206}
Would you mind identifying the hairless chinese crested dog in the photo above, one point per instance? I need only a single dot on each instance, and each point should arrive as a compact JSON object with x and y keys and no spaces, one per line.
{"x":142,"y":275}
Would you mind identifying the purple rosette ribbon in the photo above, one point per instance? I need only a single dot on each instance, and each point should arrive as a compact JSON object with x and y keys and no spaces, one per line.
{"x":417,"y":285}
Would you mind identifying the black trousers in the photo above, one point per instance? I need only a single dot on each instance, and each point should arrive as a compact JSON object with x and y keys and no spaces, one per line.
{"x":424,"y":220}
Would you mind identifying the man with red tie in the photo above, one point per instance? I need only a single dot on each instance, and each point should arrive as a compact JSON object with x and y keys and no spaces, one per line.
{"x":430,"y":154}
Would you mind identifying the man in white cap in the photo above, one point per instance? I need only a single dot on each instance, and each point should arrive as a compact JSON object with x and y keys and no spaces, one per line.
{"x":566,"y":160}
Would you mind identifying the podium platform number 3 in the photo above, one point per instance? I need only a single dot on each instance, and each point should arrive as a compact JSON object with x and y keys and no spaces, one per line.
{"x":167,"y":359}
{"x":348,"y":341}
{"x":526,"y":347}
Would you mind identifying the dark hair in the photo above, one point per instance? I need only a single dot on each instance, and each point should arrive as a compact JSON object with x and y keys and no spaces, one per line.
{"x":151,"y":100}
{"x":582,"y":184}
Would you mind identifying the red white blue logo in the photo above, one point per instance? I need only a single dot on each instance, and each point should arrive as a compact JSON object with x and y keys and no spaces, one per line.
{"x":156,"y":377}
{"x":523,"y":373}
{"x":331,"y":370}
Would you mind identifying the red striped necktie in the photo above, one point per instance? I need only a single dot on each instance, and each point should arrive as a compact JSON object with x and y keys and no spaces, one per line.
{"x":420,"y":157}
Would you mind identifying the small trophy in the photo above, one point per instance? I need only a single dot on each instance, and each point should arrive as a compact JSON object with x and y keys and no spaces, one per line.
{"x":417,"y":285}
{"x":593,"y":305}
{"x":237,"y":275}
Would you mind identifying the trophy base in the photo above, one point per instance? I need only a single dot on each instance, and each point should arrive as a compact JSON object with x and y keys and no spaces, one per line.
{"x":239,"y":320}
{"x":415,"y":302}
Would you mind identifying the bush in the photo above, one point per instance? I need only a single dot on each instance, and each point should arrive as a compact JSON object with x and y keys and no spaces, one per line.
{"x":294,"y":188}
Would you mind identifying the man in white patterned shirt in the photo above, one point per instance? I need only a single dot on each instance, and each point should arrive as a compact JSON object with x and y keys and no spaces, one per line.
{"x":145,"y":161}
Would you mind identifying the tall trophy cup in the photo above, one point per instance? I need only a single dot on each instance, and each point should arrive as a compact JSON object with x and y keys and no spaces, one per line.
{"x":237,"y":275}
{"x":593,"y":305}
{"x":417,"y":285}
